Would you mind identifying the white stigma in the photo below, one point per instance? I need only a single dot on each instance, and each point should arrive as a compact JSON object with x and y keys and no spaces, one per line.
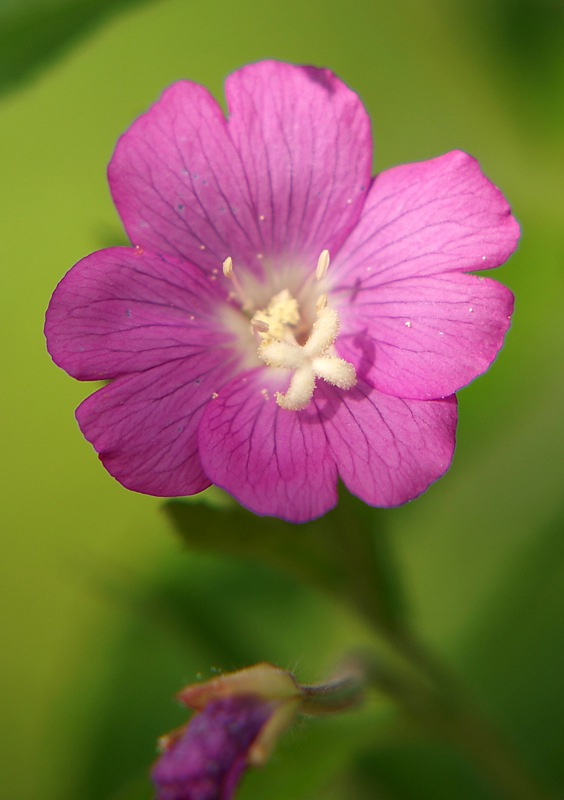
{"x":314,"y":359}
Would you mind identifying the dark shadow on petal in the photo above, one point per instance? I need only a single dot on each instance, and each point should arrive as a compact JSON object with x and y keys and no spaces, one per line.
{"x":365,"y":350}
{"x":353,"y":290}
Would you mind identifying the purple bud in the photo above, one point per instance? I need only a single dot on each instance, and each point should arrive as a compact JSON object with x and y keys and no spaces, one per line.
{"x":207,"y":760}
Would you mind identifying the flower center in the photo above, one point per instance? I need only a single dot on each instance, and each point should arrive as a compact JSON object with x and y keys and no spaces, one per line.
{"x":279,"y":318}
{"x":286,"y":342}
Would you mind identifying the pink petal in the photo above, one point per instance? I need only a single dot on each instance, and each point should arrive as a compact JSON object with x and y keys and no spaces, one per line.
{"x":288,"y":174}
{"x":388,"y":450}
{"x":121,"y":310}
{"x":144,"y":426}
{"x":273,"y":461}
{"x":179,"y":185}
{"x":425,"y":337}
{"x":435,"y":216}
{"x":304,"y":138}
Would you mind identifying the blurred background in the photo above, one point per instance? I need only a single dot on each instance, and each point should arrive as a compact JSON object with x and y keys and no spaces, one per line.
{"x":104,"y":615}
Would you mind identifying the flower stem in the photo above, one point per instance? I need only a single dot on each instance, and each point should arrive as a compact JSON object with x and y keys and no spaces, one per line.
{"x":336,"y":695}
{"x":435,"y":702}
{"x":425,"y":689}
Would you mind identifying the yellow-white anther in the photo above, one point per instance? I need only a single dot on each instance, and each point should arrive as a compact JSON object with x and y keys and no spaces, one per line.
{"x":321,"y":302}
{"x":281,"y":315}
{"x":247,"y":304}
{"x":228,"y":267}
{"x":322,"y":265}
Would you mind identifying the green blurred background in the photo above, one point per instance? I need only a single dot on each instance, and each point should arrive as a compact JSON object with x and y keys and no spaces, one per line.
{"x":104,"y":615}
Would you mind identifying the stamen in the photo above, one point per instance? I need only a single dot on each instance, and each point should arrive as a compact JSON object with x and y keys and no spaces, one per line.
{"x":246,"y":304}
{"x":318,"y":275}
{"x":228,"y":267}
{"x":321,"y":302}
{"x":281,"y":330}
{"x":322,"y":265}
{"x":281,"y":317}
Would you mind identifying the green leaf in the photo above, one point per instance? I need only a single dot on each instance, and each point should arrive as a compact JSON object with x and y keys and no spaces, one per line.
{"x":35,"y":32}
{"x":345,"y":553}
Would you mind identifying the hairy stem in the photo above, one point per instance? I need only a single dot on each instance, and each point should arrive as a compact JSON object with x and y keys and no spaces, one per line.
{"x":339,"y":694}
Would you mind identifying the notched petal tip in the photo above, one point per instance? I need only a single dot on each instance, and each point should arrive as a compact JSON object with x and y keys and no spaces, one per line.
{"x":304,"y":121}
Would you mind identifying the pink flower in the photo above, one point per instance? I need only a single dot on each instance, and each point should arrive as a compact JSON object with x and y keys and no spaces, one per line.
{"x":239,"y":718}
{"x":283,"y":318}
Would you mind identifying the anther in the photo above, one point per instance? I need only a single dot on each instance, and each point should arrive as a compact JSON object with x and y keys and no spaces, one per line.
{"x":321,"y":302}
{"x":246,"y":303}
{"x":228,"y":267}
{"x":322,"y":265}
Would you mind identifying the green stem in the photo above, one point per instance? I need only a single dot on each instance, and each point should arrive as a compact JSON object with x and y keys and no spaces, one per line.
{"x":336,"y":695}
{"x":367,"y":564}
{"x":421,"y":685}
{"x":436,"y":702}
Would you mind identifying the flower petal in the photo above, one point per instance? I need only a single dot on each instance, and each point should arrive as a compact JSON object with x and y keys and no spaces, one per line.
{"x":144,"y":426}
{"x":287,"y":175}
{"x":388,"y":450}
{"x":304,"y":138}
{"x":273,"y":461}
{"x":179,"y":185}
{"x":435,"y":216}
{"x":425,"y":337}
{"x":123,"y":310}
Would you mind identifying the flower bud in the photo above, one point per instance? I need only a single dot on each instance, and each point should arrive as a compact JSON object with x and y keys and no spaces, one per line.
{"x":238,"y":719}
